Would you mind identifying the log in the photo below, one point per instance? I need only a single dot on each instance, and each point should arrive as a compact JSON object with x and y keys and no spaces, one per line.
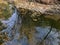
{"x":42,"y":8}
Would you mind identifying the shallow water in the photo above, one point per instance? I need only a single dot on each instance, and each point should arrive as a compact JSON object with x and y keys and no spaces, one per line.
{"x":43,"y":26}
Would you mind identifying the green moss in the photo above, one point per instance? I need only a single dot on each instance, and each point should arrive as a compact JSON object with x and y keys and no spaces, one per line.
{"x":2,"y":26}
{"x":0,"y":23}
{"x":1,"y":41}
{"x":5,"y":11}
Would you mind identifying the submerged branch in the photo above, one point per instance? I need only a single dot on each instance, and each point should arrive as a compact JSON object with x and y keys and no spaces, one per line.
{"x":48,"y":33}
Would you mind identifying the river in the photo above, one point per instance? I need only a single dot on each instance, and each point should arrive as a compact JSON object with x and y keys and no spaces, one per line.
{"x":14,"y":24}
